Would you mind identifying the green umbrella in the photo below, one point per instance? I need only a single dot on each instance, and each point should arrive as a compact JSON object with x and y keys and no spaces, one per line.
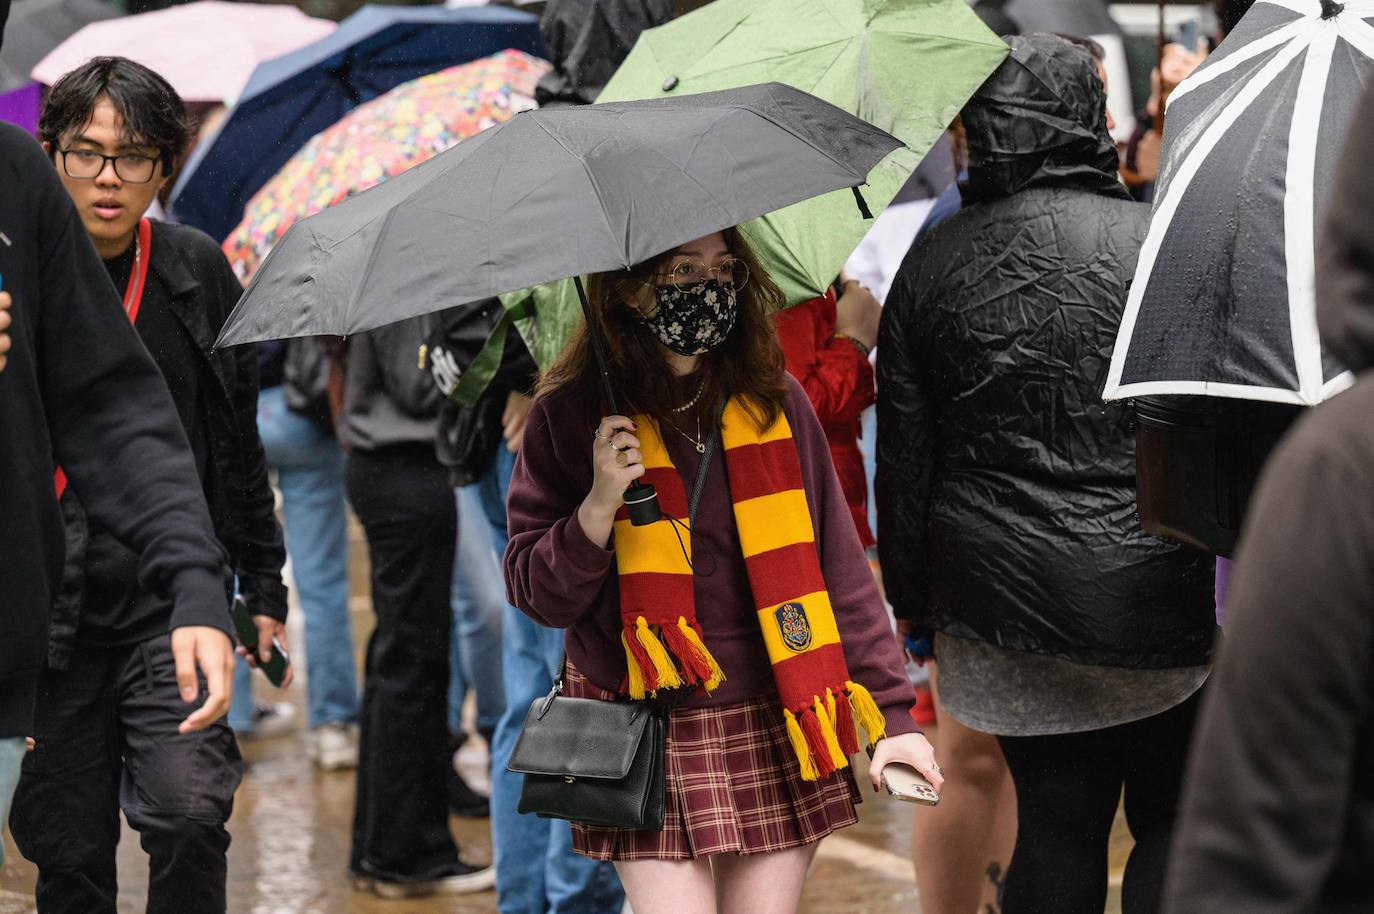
{"x":905,"y":66}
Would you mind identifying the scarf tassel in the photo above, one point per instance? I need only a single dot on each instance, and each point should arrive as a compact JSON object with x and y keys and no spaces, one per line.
{"x":685,"y":642}
{"x":640,"y":677}
{"x":843,"y":716}
{"x":866,"y":711}
{"x":799,"y":745}
{"x":821,"y":743}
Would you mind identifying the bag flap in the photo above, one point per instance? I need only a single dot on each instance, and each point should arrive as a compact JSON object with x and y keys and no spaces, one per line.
{"x":580,"y":738}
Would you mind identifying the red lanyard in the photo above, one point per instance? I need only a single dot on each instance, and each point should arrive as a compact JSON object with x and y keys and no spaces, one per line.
{"x":133,"y":297}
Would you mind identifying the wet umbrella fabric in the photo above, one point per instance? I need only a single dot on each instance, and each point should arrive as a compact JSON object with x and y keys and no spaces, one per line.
{"x":553,"y":193}
{"x":35,"y":27}
{"x":290,"y":99}
{"x":906,"y":66}
{"x":1222,"y":303}
{"x":383,"y":138}
{"x":206,"y":50}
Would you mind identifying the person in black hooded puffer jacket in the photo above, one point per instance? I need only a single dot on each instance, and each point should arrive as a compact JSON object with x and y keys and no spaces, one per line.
{"x":1006,"y":490}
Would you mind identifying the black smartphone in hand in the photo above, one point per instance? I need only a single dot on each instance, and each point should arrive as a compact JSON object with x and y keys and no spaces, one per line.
{"x":275,"y":668}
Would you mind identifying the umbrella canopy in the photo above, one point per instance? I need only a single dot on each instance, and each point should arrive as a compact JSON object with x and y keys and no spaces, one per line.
{"x":379,"y":140}
{"x":1072,"y":17}
{"x":1222,"y":302}
{"x":206,"y":50}
{"x":22,"y":106}
{"x":551,"y":193}
{"x":294,"y":97}
{"x":906,"y":66}
{"x":35,"y":27}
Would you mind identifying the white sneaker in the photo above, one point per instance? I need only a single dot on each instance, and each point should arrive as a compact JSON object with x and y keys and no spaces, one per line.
{"x":270,"y":721}
{"x":334,"y":746}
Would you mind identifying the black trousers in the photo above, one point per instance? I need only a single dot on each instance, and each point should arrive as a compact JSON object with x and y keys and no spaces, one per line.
{"x":106,"y":738}
{"x":1067,"y":790}
{"x":400,"y":822}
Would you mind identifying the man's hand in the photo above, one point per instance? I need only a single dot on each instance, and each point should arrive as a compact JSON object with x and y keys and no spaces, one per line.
{"x":513,"y":419}
{"x":268,"y":628}
{"x":4,"y":328}
{"x":211,"y":650}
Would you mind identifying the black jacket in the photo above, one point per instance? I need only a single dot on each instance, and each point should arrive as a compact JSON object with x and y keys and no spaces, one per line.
{"x":1006,"y":490}
{"x":81,"y":389}
{"x":1278,"y":815}
{"x":189,"y":270}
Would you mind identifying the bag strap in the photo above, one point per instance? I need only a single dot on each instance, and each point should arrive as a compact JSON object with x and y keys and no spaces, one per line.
{"x":702,"y":467}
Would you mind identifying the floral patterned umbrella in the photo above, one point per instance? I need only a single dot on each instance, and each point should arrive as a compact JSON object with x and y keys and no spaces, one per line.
{"x":413,"y":122}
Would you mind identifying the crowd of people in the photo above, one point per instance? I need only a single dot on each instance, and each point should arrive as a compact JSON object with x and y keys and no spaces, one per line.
{"x":1069,"y":655}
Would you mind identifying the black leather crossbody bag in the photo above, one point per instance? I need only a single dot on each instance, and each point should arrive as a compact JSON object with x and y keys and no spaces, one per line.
{"x":599,"y":762}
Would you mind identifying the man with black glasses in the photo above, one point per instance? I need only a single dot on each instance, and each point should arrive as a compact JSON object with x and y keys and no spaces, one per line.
{"x":109,"y":727}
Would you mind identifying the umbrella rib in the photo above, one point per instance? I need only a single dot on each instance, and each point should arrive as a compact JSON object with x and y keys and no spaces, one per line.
{"x":1358,"y":33}
{"x":596,"y":189}
{"x":1299,"y":210}
{"x":1167,"y":205}
{"x":1250,"y":51}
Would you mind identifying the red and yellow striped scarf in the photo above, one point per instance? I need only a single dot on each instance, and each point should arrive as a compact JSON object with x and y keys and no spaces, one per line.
{"x":665,"y":646}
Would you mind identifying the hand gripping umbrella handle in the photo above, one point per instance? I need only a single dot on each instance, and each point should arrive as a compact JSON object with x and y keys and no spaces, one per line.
{"x":641,"y":500}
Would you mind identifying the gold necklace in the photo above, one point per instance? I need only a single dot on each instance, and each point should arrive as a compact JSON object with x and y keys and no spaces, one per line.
{"x":692,"y":402}
{"x":696,"y":442}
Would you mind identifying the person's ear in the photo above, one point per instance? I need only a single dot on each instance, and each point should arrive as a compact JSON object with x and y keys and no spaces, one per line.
{"x":630,"y":301}
{"x":47,"y":151}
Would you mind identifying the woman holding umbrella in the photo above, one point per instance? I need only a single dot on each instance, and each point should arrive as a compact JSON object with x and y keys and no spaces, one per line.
{"x":764,"y":614}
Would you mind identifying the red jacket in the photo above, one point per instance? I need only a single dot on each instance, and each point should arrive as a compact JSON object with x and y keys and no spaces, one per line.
{"x":838,"y":379}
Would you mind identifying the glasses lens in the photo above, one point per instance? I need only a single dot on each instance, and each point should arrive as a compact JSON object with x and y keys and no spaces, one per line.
{"x":135,"y":169}
{"x":687,"y":273}
{"x":82,"y":164}
{"x":734,"y":272}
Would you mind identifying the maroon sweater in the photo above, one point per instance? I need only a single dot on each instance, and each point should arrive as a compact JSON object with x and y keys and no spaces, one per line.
{"x":558,"y":577}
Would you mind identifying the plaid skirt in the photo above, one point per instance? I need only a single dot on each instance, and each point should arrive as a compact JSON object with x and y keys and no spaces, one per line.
{"x":733,"y":785}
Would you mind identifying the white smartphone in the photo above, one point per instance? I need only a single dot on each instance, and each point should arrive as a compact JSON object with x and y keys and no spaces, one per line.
{"x":905,"y":783}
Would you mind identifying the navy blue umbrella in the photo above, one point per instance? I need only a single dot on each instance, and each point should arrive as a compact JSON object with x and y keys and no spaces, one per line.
{"x":291,"y":98}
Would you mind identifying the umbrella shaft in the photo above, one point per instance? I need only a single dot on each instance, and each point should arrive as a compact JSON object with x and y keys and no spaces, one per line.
{"x":598,"y":347}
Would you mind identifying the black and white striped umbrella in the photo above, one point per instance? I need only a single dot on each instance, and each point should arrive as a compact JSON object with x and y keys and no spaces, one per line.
{"x":1222,"y":302}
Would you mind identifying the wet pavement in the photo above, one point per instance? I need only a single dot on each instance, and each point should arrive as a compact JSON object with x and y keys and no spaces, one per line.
{"x":291,"y":824}
{"x":290,"y":845}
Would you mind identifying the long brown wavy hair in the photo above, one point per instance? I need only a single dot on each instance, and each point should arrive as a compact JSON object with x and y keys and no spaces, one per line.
{"x":749,"y":364}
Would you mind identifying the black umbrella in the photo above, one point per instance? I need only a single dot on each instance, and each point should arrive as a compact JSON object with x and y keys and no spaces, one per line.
{"x":555,"y":193}
{"x":36,"y":27}
{"x":1222,"y":303}
{"x":550,"y":194}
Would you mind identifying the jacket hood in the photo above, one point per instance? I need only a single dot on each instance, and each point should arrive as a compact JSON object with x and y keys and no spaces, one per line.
{"x":587,"y":41}
{"x":1345,"y":252}
{"x":1040,"y":120}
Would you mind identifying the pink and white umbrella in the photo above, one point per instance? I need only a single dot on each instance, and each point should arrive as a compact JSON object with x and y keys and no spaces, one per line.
{"x":206,"y":50}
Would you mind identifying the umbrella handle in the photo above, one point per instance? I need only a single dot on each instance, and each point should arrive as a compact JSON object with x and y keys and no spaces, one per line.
{"x":641,"y":499}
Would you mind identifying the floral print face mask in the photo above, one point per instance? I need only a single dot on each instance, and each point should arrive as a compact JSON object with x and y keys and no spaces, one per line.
{"x":696,"y":319}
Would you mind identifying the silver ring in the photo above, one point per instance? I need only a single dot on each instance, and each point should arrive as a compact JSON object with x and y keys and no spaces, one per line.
{"x":596,"y":433}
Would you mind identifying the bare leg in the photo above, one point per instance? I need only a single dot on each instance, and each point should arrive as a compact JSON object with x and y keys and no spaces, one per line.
{"x":974,"y":826}
{"x":668,"y":886}
{"x":761,"y":883}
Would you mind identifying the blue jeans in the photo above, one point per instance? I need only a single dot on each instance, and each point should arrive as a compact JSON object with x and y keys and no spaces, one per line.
{"x":477,"y":595}
{"x":11,"y":757}
{"x":536,"y":869}
{"x":309,"y":466}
